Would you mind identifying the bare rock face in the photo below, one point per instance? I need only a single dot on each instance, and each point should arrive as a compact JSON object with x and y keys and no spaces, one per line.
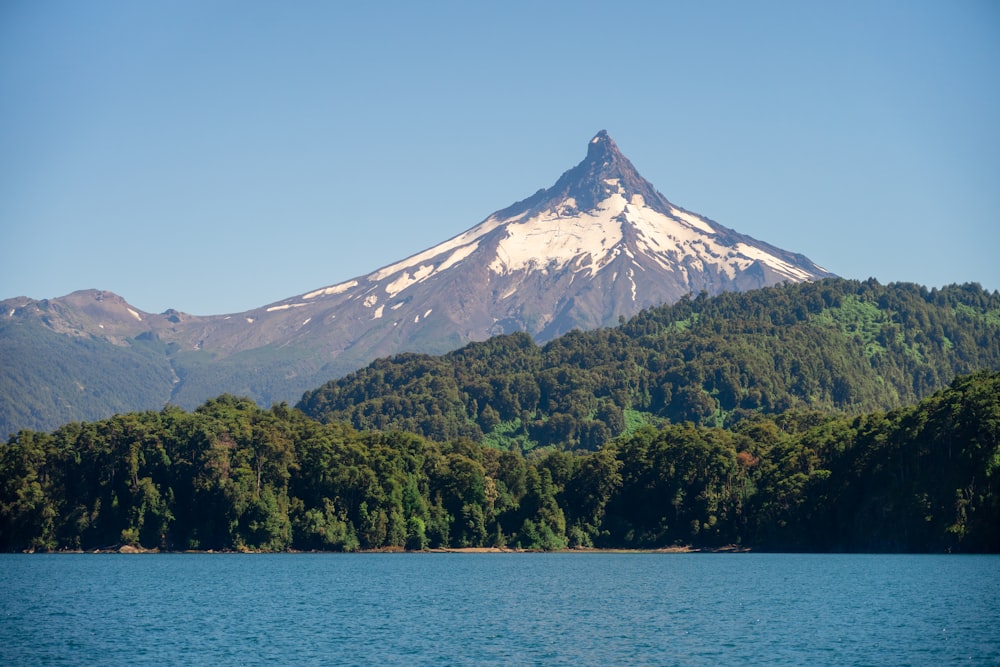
{"x":600,"y":244}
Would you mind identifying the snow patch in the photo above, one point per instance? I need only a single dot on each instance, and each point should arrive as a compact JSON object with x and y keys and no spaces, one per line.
{"x":455,"y":243}
{"x":11,"y":313}
{"x":778,"y":265}
{"x":406,"y":279}
{"x":306,"y":321}
{"x":458,"y":256}
{"x":669,"y":239}
{"x":378,"y":312}
{"x":553,"y":239}
{"x":335,"y":289}
{"x":429,"y":311}
{"x":249,"y":320}
{"x":662,"y":229}
{"x":286,"y":306}
{"x":682,"y":236}
{"x":411,"y":276}
{"x":370,"y":300}
{"x":134,"y":314}
{"x":567,"y":207}
{"x":396,"y":306}
{"x":695,"y":221}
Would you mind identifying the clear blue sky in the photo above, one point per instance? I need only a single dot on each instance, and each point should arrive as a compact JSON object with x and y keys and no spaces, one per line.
{"x":218,"y":156}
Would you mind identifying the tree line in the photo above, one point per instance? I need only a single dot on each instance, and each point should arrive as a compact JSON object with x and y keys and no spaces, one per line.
{"x":233,"y":476}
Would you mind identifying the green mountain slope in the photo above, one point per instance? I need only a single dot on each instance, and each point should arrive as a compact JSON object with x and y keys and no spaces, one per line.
{"x":48,"y":374}
{"x":830,"y":345}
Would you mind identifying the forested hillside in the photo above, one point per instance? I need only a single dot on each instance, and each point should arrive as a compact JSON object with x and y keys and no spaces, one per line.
{"x":42,"y":374}
{"x":831,"y":345}
{"x":234,"y":476}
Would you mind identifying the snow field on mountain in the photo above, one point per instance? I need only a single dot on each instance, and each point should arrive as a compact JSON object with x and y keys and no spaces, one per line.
{"x":330,"y":291}
{"x":551,"y":239}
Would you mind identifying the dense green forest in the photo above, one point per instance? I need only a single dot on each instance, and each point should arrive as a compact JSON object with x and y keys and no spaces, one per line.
{"x":231,"y":475}
{"x":831,"y":345}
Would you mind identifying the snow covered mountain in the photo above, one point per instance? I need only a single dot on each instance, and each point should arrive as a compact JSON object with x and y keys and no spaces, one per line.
{"x":598,"y":245}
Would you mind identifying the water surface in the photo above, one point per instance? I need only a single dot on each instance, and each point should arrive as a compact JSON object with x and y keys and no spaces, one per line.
{"x":465,"y":609}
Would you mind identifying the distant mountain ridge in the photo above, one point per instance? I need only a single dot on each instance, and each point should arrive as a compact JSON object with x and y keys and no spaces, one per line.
{"x":600,"y":244}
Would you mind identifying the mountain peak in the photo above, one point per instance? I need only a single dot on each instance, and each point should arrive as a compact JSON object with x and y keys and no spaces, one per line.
{"x":602,"y":146}
{"x":603,"y":172}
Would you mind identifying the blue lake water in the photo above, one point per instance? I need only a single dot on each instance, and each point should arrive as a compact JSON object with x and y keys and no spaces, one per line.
{"x":507,"y":609}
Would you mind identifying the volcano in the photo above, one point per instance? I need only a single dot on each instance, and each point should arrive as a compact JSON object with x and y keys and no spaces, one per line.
{"x":599,"y":245}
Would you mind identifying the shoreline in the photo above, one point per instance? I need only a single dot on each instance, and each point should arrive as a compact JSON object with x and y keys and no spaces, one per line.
{"x":130,"y":549}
